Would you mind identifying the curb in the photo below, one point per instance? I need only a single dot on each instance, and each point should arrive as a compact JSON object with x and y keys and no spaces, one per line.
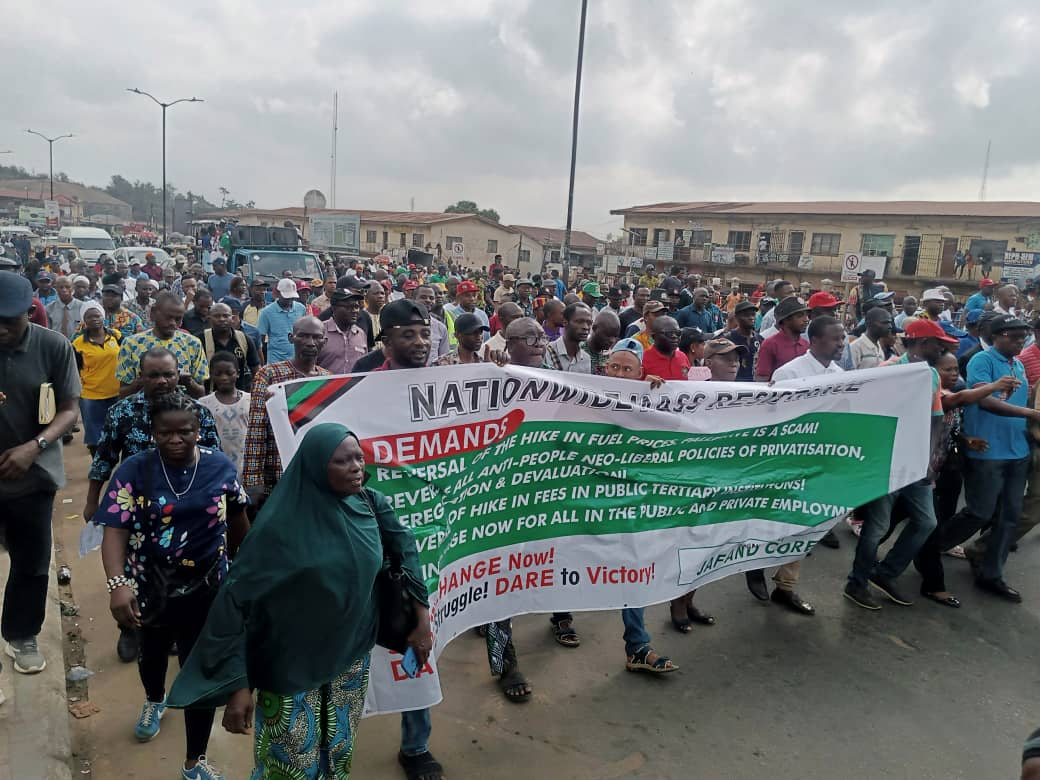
{"x":34,"y":721}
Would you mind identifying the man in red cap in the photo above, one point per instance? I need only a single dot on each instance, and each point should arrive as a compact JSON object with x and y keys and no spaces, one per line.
{"x":983,"y":298}
{"x":409,"y":288}
{"x":822,"y":304}
{"x":466,"y":295}
{"x":926,"y":342}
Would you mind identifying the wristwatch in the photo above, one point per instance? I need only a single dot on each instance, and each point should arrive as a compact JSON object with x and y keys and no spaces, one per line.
{"x":42,"y":443}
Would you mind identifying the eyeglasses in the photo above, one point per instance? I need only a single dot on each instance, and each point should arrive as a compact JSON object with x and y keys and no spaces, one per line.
{"x":531,"y":341}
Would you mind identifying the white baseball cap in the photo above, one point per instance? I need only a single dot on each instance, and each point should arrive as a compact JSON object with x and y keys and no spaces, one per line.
{"x":933,"y":295}
{"x":287,"y":288}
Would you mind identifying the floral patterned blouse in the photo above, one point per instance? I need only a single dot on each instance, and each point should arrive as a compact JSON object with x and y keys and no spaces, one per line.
{"x":186,"y":535}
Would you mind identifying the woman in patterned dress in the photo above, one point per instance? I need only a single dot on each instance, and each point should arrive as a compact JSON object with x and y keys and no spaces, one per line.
{"x":170,"y":516}
{"x":297,"y":617}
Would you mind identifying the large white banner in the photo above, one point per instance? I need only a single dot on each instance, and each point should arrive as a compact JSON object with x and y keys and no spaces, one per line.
{"x":535,"y":491}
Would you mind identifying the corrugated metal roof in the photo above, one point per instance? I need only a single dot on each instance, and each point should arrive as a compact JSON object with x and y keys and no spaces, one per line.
{"x":579,"y":238}
{"x":367,"y":215}
{"x":900,"y":208}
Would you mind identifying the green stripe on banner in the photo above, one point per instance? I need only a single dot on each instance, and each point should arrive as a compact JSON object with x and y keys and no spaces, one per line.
{"x":302,"y":391}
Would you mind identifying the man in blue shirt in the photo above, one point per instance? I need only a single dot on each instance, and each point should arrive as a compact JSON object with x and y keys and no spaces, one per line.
{"x":276,"y":321}
{"x":996,"y":477}
{"x":971,"y":340}
{"x":219,"y":281}
{"x":983,"y":297}
{"x":701,"y":313}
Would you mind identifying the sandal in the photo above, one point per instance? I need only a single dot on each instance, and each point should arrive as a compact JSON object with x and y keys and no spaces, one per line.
{"x":640,"y":662}
{"x":699,"y":617}
{"x":514,"y":685}
{"x":564,"y":633}
{"x":421,"y":767}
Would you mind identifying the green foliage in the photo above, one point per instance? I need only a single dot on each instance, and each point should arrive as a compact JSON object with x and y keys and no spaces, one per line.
{"x":469,"y":207}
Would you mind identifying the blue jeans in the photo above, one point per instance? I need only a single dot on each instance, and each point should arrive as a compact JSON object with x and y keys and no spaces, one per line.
{"x":415,"y":732}
{"x":989,"y":484}
{"x":877,"y":517}
{"x":636,"y":636}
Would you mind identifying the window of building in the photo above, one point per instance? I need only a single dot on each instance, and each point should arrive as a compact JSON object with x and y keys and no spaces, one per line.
{"x":492,"y":246}
{"x":660,"y":234}
{"x":554,"y":257}
{"x":825,"y":243}
{"x":417,"y":239}
{"x":370,"y":237}
{"x":452,"y":241}
{"x":525,"y":255}
{"x":403,"y":240}
{"x":637,"y":237}
{"x":740,"y":240}
{"x":699,"y":237}
{"x":874,"y":245}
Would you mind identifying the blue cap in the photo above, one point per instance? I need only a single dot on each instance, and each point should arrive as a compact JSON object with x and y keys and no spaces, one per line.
{"x":44,"y":275}
{"x":234,"y":303}
{"x":973,"y":316}
{"x":629,"y":345}
{"x":884,"y":296}
{"x":16,"y":294}
{"x":952,"y":330}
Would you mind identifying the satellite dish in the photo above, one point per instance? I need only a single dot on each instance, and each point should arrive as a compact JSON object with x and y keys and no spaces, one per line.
{"x":314,"y":199}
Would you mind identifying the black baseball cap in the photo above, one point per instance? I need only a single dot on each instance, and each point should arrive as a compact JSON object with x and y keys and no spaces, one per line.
{"x":339,"y":296}
{"x":1003,"y":322}
{"x":614,"y":292}
{"x":789,"y":307}
{"x":745,"y":306}
{"x":112,"y":288}
{"x":469,"y":323}
{"x":236,"y":305}
{"x":402,"y":313}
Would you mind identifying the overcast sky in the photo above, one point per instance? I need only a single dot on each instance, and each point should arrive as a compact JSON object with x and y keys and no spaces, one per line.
{"x":448,"y":99}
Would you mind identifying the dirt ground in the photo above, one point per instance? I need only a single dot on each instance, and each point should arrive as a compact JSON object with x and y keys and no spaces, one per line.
{"x":922,"y":692}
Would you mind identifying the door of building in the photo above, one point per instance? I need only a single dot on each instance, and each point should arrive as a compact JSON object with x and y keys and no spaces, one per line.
{"x":795,"y":245}
{"x":911,"y":252}
{"x":949,"y":251}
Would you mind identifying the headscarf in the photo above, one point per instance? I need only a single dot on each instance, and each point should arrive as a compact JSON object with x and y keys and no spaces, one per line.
{"x":297,"y":608}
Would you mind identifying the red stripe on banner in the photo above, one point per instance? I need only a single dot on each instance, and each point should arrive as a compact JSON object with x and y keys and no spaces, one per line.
{"x":316,"y":399}
{"x":407,"y":448}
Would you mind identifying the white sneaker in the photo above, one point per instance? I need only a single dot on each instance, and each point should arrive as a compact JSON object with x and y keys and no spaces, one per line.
{"x":27,"y":656}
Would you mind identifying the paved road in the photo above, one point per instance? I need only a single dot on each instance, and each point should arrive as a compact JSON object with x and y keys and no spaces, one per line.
{"x":924,"y":692}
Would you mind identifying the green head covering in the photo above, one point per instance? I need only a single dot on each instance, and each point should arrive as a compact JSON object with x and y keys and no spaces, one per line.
{"x":297,"y":608}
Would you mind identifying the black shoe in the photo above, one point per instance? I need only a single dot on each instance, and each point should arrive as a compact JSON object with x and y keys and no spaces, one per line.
{"x":888,"y":587}
{"x":756,"y":583}
{"x":792,"y":601}
{"x":66,"y":438}
{"x":860,"y":596}
{"x":830,"y":539}
{"x":999,"y":588}
{"x":127,"y":646}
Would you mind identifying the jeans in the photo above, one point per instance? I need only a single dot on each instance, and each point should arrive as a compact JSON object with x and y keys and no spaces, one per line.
{"x":990,"y":485}
{"x":928,"y":560}
{"x":415,"y":732}
{"x":1029,"y":518}
{"x":180,"y":622}
{"x":636,"y":635}
{"x":877,"y":517}
{"x":27,"y":528}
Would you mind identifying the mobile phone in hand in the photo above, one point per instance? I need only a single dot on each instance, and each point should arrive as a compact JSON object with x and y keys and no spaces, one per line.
{"x":410,"y":663}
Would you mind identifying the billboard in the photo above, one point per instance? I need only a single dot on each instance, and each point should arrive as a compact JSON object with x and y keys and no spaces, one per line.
{"x":336,"y":231}
{"x":32,"y":215}
{"x":53,"y":213}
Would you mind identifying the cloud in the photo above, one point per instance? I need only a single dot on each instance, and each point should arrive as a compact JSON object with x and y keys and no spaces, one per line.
{"x":681,"y":99}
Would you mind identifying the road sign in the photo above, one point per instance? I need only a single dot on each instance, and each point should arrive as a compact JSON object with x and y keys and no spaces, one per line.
{"x":458,"y":250}
{"x":853,"y":264}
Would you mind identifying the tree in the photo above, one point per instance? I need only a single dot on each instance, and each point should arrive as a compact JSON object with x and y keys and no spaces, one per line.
{"x":224,"y":192}
{"x":250,"y":204}
{"x":469,"y":207}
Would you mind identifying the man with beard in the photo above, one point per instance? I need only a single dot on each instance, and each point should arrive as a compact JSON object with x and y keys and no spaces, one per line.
{"x":566,"y":354}
{"x":664,"y":358}
{"x":345,"y":341}
{"x":606,"y":330}
{"x":222,"y":336}
{"x":167,"y":314}
{"x":744,"y":335}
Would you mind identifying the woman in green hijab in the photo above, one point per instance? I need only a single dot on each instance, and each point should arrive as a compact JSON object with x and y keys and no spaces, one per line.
{"x":296,"y":618}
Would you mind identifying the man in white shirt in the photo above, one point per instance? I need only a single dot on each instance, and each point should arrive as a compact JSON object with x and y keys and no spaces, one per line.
{"x":866,"y":351}
{"x":826,"y":343}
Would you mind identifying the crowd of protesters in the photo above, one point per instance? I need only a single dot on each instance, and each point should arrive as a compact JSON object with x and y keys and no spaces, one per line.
{"x":167,"y":371}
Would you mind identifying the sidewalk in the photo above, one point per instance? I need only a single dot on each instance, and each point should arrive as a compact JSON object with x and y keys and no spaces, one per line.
{"x":34,"y":721}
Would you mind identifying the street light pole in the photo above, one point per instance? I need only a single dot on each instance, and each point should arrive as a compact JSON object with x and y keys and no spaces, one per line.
{"x":50,"y":149}
{"x":566,"y":248}
{"x":164,"y":106}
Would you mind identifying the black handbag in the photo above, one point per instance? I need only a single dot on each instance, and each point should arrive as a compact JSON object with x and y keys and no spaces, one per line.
{"x":397,"y":617}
